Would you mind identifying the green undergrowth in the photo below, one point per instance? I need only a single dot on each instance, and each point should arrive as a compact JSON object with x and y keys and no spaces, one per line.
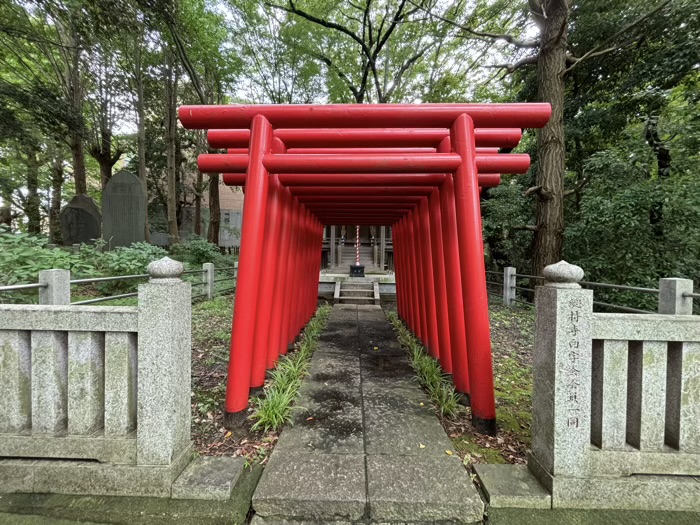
{"x":428,"y":371}
{"x":274,"y":409}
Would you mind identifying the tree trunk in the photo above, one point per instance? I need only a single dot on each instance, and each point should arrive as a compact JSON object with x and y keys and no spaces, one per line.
{"x":552,"y":18}
{"x":198,"y":204}
{"x":105,"y":170}
{"x":214,"y":209}
{"x":170,"y":138}
{"x":56,"y":196}
{"x":663,"y":160}
{"x":33,"y":202}
{"x":76,"y":137}
{"x":141,"y":131}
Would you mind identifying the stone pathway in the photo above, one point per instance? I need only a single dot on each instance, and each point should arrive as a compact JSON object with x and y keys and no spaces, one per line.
{"x":365,"y":446}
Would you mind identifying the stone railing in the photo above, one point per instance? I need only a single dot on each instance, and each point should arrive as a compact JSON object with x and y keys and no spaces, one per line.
{"x":96,"y":400}
{"x":616,"y":401}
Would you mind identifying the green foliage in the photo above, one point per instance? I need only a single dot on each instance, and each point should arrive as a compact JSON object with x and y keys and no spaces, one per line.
{"x":23,"y":256}
{"x":272,"y":411}
{"x":197,"y":251}
{"x":429,"y":374}
{"x":126,"y":260}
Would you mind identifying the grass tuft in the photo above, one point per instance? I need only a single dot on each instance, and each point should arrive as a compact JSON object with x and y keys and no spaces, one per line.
{"x":274,"y":409}
{"x":434,"y":381}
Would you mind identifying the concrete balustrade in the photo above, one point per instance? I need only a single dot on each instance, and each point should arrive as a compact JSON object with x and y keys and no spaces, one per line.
{"x":97,"y":399}
{"x":616,"y":400}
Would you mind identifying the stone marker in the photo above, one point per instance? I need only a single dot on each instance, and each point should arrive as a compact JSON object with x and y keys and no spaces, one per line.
{"x":80,"y":221}
{"x":124,"y":210}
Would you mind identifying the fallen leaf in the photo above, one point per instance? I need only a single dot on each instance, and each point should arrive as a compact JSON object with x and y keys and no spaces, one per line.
{"x":228,"y":434}
{"x":449,"y":453}
{"x":309,"y":419}
{"x":421,"y":445}
{"x":422,"y":404}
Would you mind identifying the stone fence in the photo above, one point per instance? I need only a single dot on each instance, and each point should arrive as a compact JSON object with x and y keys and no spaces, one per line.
{"x":616,"y":401}
{"x":96,"y":400}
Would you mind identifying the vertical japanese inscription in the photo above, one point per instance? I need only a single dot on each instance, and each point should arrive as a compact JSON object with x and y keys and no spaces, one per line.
{"x":572,"y":368}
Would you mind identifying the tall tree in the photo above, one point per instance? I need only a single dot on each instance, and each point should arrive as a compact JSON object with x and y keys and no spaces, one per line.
{"x":370,"y":49}
{"x":554,"y":59}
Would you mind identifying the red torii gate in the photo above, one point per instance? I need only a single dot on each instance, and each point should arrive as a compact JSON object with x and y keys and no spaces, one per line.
{"x":417,"y":168}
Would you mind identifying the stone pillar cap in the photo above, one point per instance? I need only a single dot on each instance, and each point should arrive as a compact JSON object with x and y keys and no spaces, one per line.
{"x":165,"y":269}
{"x":563,"y":275}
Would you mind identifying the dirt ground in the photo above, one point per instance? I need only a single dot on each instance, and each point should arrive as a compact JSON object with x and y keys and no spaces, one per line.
{"x":211,"y":336}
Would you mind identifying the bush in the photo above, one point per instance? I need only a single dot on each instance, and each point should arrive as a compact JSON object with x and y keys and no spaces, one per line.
{"x":197,"y":251}
{"x":23,"y":256}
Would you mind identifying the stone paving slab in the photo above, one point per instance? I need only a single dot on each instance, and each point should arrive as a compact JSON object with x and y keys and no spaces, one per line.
{"x":316,"y":487}
{"x":327,"y":420}
{"x":432,"y":489}
{"x":399,"y":425}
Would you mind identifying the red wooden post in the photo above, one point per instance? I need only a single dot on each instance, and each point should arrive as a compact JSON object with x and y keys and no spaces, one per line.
{"x":238,"y":384}
{"x":428,"y":282}
{"x":269,"y":274}
{"x":441,"y":285}
{"x":471,"y":249}
{"x":277,"y":346}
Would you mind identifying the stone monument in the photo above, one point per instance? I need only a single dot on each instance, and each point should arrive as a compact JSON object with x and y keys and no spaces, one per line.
{"x":80,"y":221}
{"x":123,"y":210}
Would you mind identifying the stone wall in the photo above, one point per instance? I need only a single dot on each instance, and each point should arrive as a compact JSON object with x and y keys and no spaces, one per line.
{"x":96,"y":400}
{"x":616,"y":401}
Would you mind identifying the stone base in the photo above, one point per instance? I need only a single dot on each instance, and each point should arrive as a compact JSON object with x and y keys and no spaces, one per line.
{"x":512,"y":486}
{"x":88,"y":477}
{"x":637,"y":492}
{"x":33,"y":509}
{"x":210,"y":478}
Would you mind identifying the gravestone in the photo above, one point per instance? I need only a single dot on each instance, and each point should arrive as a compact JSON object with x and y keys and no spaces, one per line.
{"x":160,"y":239}
{"x":124,"y":210}
{"x":81,"y":221}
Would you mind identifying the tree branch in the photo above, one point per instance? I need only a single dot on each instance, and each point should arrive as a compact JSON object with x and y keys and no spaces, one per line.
{"x":525,"y":227}
{"x":510,"y":68}
{"x":533,"y":190}
{"x":320,"y":21}
{"x":596,"y":51}
{"x":483,"y":34}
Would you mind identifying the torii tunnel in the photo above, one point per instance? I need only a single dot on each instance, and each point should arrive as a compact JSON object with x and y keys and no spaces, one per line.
{"x":416,"y":168}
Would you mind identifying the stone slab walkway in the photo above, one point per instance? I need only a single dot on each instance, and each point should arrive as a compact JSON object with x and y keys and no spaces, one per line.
{"x":365,"y":446}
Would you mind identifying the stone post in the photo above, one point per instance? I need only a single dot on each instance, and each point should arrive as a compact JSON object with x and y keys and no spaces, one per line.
{"x":671,"y":300}
{"x":508,"y":285}
{"x":208,"y":280}
{"x":57,"y":290}
{"x":683,"y":367}
{"x":382,"y":247}
{"x":561,"y":401}
{"x":332,"y":247}
{"x":164,"y":356}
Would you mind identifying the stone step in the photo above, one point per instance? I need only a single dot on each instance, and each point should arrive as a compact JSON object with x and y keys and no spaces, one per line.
{"x":344,"y":292}
{"x":356,"y":300}
{"x":356,"y":286}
